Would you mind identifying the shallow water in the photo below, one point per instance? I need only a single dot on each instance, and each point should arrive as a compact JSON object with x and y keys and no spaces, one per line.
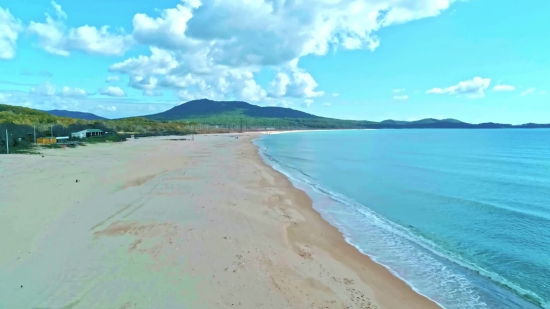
{"x":463,"y":216}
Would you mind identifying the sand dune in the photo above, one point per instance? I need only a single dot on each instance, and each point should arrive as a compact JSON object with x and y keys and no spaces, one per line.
{"x":155,"y":223}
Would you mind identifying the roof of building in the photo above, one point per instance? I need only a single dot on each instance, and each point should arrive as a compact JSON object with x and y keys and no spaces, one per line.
{"x":89,"y":130}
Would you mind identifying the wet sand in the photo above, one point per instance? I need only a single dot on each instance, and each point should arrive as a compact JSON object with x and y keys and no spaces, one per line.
{"x":156,"y":223}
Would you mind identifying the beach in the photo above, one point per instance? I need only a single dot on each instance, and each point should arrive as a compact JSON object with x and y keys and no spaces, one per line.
{"x":169,"y":223}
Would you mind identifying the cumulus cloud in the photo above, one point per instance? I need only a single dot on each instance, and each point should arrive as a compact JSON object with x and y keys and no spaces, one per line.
{"x":281,"y":103}
{"x":112,"y":79}
{"x":251,"y":91}
{"x":111,"y":108}
{"x":10,"y":28}
{"x":112,"y":92}
{"x":527,"y":92}
{"x":276,"y":32}
{"x":45,"y":89}
{"x":472,"y":88}
{"x":205,"y":47}
{"x":160,"y":62}
{"x":504,"y":88}
{"x":57,"y":38}
{"x":4,"y":98}
{"x":307,"y":103}
{"x":399,"y":90}
{"x":73,"y":92}
{"x":296,"y":84}
{"x":400,"y":97}
{"x":152,"y":93}
{"x":143,"y":83}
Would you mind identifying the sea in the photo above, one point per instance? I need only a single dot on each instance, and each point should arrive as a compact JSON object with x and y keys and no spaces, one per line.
{"x":462,"y":216}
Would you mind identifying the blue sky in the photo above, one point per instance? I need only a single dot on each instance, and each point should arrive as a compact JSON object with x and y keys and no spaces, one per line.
{"x":474,"y":60}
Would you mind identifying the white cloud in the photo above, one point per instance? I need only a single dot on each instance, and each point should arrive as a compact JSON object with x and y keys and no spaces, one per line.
{"x":276,"y":32}
{"x":185,"y":95}
{"x":296,"y":84}
{"x":152,"y":93}
{"x":251,"y":91}
{"x":307,"y":103}
{"x":400,"y":97}
{"x":398,"y":90}
{"x":45,"y":89}
{"x":112,"y":79}
{"x":335,"y":94}
{"x":472,"y":88}
{"x":73,"y":92}
{"x":111,"y":108}
{"x":205,"y":48}
{"x":143,"y":83}
{"x":527,"y":92}
{"x":504,"y":88}
{"x":326,"y":104}
{"x":58,"y":10}
{"x":4,"y":98}
{"x":57,"y":38}
{"x":281,"y":103}
{"x":160,"y":62}
{"x":112,"y":92}
{"x":10,"y":27}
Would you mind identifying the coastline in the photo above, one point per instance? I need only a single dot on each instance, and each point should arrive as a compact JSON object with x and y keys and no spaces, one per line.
{"x":389,"y":290}
{"x":161,"y":223}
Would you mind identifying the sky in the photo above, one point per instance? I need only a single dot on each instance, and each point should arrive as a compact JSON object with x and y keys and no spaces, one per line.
{"x":473,"y":60}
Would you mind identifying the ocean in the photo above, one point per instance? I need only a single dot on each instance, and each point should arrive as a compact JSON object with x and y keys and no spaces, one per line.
{"x":462,"y":216}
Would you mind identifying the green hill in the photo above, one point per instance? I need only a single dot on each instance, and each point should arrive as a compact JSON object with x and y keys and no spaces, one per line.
{"x":28,"y":116}
{"x":22,"y":122}
{"x":205,"y":108}
{"x":233,"y":114}
{"x":201,"y":115}
{"x":73,"y":114}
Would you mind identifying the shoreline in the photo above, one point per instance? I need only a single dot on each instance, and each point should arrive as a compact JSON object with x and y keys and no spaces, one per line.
{"x":368,"y":270}
{"x":160,"y":223}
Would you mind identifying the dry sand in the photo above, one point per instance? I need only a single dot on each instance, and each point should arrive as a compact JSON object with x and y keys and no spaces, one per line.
{"x":156,"y":223}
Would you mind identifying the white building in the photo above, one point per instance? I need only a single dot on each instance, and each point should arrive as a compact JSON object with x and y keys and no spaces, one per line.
{"x":87,"y":133}
{"x":79,"y":134}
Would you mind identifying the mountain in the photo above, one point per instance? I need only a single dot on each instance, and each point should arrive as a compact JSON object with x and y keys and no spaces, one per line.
{"x":232,"y":114}
{"x":207,"y":108}
{"x":77,"y":115}
{"x":227,"y":115}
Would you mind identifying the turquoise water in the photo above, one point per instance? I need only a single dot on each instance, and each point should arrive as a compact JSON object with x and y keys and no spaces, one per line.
{"x":463,"y":216}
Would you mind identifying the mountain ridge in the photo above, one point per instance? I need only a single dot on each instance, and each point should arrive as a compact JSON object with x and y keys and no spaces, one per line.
{"x":234,"y":114}
{"x":204,"y":107}
{"x":219,"y":112}
{"x":74,"y":114}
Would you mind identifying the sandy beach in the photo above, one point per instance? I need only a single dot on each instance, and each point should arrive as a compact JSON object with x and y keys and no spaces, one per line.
{"x":161,"y":223}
